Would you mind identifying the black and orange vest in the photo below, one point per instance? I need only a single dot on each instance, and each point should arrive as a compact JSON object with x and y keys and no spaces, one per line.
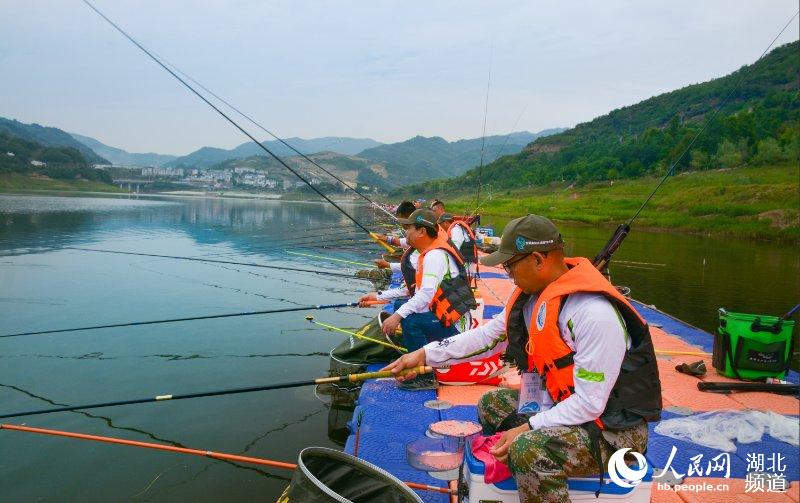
{"x":468,"y":249}
{"x":453,"y":298}
{"x":636,"y":395}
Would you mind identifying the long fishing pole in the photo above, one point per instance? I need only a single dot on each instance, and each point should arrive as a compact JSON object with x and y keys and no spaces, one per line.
{"x":215,"y":261}
{"x":189,"y":318}
{"x":604,"y":257}
{"x":237,"y":126}
{"x":231,"y":391}
{"x":282,"y":141}
{"x":483,"y":140}
{"x":322,"y":257}
{"x":185,"y":450}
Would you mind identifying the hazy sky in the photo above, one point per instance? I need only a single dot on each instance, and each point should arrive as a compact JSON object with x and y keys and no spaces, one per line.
{"x":384,"y":70}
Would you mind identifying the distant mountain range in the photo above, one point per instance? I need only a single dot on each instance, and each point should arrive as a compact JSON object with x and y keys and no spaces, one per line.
{"x":119,"y":157}
{"x":208,"y":156}
{"x":48,"y":137}
{"x":361,"y":160}
{"x":422,"y":158}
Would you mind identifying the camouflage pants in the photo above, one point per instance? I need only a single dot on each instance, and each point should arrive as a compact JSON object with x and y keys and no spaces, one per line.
{"x":541,"y":460}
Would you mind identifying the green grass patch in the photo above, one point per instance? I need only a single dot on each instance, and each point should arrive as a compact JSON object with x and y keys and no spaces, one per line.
{"x":745,"y":202}
{"x":15,"y":182}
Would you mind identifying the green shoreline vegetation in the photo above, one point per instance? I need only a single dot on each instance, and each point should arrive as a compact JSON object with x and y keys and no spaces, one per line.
{"x":759,"y":203}
{"x":16,"y":182}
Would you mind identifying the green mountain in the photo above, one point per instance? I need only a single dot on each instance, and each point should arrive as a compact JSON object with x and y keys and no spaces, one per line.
{"x":422,"y":158}
{"x":119,"y":157}
{"x":208,"y":156}
{"x":25,"y":157}
{"x":758,"y":125}
{"x":49,"y":137}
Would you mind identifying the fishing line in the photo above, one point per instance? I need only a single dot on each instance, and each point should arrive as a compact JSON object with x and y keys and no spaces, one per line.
{"x":232,"y":122}
{"x":483,"y":140}
{"x":258,"y":125}
{"x":514,"y":127}
{"x":603,"y":258}
{"x":214,"y":261}
{"x":713,"y":114}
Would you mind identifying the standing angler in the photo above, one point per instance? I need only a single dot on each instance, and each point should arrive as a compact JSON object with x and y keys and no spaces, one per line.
{"x":589,"y":378}
{"x":463,"y":238}
{"x":440,"y":295}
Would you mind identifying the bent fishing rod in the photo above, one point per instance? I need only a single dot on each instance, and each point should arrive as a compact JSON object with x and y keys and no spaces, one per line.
{"x":186,"y":450}
{"x":237,"y":126}
{"x":193,"y":318}
{"x":351,"y":378}
{"x":603,"y":258}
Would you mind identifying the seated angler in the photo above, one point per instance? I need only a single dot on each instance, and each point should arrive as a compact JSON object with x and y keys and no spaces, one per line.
{"x":590,"y":381}
{"x":463,"y":238}
{"x":440,"y":297}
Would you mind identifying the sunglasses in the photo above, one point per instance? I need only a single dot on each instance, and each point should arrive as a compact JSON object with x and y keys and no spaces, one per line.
{"x":509,"y":264}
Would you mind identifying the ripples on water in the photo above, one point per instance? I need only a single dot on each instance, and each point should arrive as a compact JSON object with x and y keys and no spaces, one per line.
{"x":47,"y":285}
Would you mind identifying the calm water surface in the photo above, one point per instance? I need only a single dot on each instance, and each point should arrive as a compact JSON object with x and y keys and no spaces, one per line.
{"x":45,"y":284}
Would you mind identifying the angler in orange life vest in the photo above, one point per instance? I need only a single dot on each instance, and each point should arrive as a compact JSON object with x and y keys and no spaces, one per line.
{"x":463,"y":238}
{"x":440,"y":295}
{"x":589,"y":375}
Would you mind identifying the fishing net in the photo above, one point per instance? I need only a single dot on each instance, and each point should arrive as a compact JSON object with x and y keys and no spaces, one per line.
{"x":329,"y":475}
{"x":380,"y":277}
{"x":354,"y":354}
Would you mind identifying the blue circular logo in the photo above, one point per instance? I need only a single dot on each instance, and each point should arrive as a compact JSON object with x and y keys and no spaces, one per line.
{"x":520,"y":242}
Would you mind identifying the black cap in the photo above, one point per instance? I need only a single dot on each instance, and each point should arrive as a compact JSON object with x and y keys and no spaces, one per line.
{"x":421,"y":216}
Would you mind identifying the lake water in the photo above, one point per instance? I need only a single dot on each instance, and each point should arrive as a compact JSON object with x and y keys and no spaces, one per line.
{"x":45,"y":284}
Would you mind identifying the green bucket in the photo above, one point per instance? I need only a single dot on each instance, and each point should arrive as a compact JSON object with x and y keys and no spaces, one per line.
{"x":752,"y":347}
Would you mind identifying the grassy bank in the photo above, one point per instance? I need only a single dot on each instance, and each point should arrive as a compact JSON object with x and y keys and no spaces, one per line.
{"x":745,"y":202}
{"x":15,"y":182}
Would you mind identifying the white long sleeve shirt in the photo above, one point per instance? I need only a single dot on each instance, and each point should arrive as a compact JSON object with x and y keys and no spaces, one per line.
{"x":434,"y":266}
{"x":589,"y":324}
{"x":458,"y":235}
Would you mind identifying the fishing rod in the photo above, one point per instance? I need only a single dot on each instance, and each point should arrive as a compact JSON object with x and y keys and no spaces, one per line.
{"x":258,"y":125}
{"x":364,"y":264}
{"x":604,"y":257}
{"x":483,"y":140}
{"x":192,"y":318}
{"x":215,"y":261}
{"x":356,"y":334}
{"x":508,"y":136}
{"x":186,"y":450}
{"x":237,"y":126}
{"x":231,"y":391}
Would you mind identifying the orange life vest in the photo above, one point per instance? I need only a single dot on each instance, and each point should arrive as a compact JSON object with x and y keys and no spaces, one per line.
{"x":637,"y":393}
{"x":448,"y":306}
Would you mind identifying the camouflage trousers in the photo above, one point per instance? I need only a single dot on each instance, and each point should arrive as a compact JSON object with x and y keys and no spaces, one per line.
{"x":541,"y":460}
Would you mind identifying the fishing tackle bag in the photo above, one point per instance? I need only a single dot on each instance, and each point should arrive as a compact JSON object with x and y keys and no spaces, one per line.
{"x":752,"y":347}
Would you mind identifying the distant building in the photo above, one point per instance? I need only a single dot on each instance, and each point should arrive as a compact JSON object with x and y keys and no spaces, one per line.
{"x":10,"y":154}
{"x":38,"y":163}
{"x":165,"y":172}
{"x":101,"y":166}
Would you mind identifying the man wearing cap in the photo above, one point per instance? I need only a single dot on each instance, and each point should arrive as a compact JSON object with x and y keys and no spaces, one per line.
{"x":589,"y":375}
{"x":438,"y":208}
{"x":426,"y":316}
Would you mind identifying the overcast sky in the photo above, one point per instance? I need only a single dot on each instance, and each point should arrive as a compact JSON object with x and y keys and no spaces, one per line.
{"x":383,"y":70}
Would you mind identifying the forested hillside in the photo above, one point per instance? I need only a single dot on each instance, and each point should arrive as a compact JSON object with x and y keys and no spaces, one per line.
{"x":758,"y":125}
